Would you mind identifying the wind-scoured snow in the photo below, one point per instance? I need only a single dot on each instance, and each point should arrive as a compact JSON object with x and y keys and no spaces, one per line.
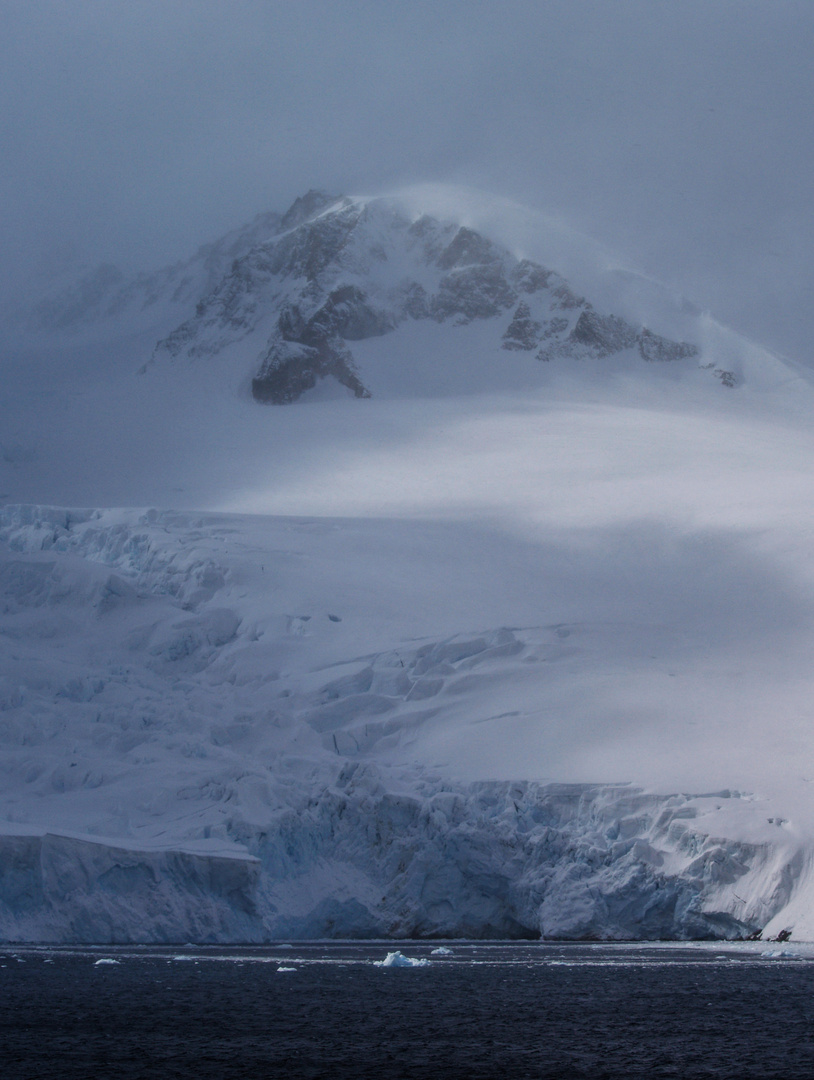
{"x":518,"y":645}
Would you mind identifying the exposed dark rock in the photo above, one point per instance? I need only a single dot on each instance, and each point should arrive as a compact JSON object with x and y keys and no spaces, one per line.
{"x":552,"y":331}
{"x":346,"y":314}
{"x":555,"y":326}
{"x":430,"y":235}
{"x":728,"y":378}
{"x":476,"y":292}
{"x":290,"y":368}
{"x":413,"y":301}
{"x":239,"y":301}
{"x":181,"y":338}
{"x":305,"y":207}
{"x":234,"y":306}
{"x":654,"y":347}
{"x":567,"y":299}
{"x":310,"y":249}
{"x":424,"y":226}
{"x":467,"y":248}
{"x":603,"y":334}
{"x":234,"y":302}
{"x":530,"y":277}
{"x":522,"y":333}
{"x":310,"y":350}
{"x":291,"y":323}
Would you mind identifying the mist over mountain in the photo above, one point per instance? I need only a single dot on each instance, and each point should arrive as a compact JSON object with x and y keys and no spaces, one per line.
{"x":400,"y":565}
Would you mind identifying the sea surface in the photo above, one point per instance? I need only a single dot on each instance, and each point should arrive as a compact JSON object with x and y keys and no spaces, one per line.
{"x":481,"y":1011}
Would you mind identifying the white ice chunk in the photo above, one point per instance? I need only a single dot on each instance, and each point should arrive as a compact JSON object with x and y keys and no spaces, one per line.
{"x":398,"y":959}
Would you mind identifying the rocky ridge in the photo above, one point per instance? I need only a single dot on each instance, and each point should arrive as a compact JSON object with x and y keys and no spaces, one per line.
{"x":332,"y":271}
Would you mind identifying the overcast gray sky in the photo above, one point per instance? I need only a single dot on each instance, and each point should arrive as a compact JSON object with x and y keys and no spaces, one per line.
{"x":678,"y":132}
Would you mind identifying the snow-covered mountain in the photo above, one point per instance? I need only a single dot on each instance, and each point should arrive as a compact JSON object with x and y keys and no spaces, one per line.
{"x":361,"y":268}
{"x":299,"y":289}
{"x":517,"y":644}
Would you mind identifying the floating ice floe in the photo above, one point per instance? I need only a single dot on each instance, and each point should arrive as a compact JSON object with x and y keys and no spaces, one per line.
{"x":106,"y":960}
{"x":781,"y":954}
{"x":442,"y":950}
{"x":282,"y":968}
{"x":398,"y":959}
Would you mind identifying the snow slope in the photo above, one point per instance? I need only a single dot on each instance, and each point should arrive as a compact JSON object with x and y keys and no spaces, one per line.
{"x":514,"y":646}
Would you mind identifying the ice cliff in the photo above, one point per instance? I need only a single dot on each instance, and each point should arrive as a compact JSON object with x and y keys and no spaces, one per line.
{"x":183,"y":757}
{"x":355,"y":861}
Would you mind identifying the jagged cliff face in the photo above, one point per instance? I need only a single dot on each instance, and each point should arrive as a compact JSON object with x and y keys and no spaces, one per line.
{"x":355,"y":270}
{"x":303,"y":287}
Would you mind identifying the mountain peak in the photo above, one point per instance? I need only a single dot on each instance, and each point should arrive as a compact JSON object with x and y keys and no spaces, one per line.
{"x":349,"y":270}
{"x":298,"y":289}
{"x":306,"y":206}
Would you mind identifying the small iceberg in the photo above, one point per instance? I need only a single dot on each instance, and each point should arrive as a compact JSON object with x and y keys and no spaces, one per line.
{"x":398,"y":959}
{"x":282,"y":968}
{"x":442,"y":950}
{"x":781,"y":954}
{"x":105,"y":960}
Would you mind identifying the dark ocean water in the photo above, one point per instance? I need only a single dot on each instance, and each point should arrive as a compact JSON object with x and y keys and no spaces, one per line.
{"x":503,"y":1011}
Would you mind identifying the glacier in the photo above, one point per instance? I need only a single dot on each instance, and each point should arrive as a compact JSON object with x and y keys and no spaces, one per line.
{"x":513,"y":644}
